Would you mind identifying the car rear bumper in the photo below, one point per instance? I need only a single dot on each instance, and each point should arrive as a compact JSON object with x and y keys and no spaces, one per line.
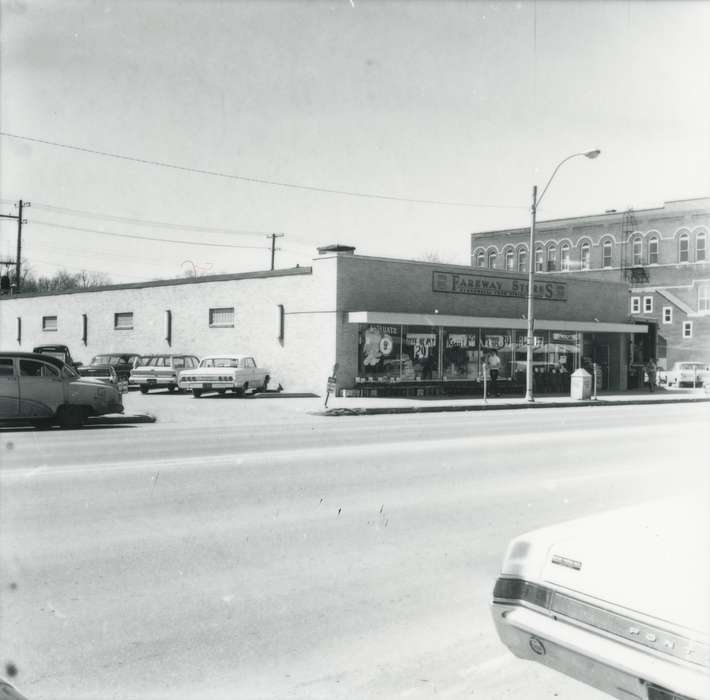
{"x":597,"y":659}
{"x":206,"y":386}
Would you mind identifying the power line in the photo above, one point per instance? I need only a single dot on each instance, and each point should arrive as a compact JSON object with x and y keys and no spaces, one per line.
{"x":147,"y":222}
{"x":258,"y":181}
{"x":148,"y":238}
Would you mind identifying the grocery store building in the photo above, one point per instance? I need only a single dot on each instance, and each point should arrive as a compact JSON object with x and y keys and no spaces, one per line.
{"x":392,"y":327}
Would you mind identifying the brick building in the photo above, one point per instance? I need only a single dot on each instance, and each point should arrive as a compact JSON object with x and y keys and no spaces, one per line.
{"x":392,"y":326}
{"x":660,"y":254}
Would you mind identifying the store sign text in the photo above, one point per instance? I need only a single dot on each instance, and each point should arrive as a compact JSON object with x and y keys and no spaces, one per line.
{"x":497,"y":286}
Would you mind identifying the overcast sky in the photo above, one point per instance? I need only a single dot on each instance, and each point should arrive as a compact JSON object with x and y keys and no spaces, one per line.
{"x":460,"y":102}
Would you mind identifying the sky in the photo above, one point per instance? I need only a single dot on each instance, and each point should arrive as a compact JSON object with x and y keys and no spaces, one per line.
{"x":461,"y":106}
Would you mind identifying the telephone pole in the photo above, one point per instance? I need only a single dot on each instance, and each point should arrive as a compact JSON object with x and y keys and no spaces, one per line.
{"x":20,"y":221}
{"x":273,"y":237}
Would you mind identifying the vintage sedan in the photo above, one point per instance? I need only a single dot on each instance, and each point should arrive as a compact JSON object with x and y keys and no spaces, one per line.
{"x":121,"y":362}
{"x":160,"y":371}
{"x":685,"y":374}
{"x":222,"y":373}
{"x":618,"y":601}
{"x":106,"y":373}
{"x":43,"y":391}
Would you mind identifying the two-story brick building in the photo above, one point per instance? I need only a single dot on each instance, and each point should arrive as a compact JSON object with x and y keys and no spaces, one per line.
{"x":661,"y":254}
{"x":391,"y":326}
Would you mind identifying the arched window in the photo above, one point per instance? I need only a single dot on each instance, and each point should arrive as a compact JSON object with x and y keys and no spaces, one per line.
{"x":552,"y":258}
{"x":683,"y":248}
{"x":522,"y":260}
{"x":492,"y":255}
{"x":480,"y":258}
{"x":584,"y":255}
{"x":607,"y":249}
{"x":701,"y":254}
{"x":653,"y":250}
{"x":637,"y":251}
{"x":510,"y":260}
{"x":564,"y":257}
{"x":539,"y":258}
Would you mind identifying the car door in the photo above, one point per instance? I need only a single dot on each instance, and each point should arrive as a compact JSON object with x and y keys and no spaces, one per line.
{"x":9,"y":389}
{"x":41,"y":388}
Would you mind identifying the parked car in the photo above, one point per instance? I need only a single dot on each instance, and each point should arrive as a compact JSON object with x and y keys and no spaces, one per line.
{"x":618,"y":601}
{"x":685,"y":374}
{"x":106,"y":373}
{"x":42,"y":390}
{"x":121,"y":362}
{"x":222,"y":373}
{"x":160,"y":371}
{"x":61,"y":352}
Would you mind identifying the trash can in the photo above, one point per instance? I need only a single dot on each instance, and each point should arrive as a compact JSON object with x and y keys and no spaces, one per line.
{"x":580,"y":385}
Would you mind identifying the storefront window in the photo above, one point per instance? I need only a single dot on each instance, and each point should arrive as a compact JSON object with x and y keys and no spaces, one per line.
{"x":555,"y":356}
{"x":420,"y":350}
{"x":380,"y":354}
{"x":500,"y":340}
{"x":461,"y":353}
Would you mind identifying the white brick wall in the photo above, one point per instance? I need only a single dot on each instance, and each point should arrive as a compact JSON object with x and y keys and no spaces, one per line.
{"x":301,"y":363}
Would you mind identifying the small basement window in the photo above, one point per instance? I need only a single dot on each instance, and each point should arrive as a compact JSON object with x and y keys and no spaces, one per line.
{"x":49,"y":323}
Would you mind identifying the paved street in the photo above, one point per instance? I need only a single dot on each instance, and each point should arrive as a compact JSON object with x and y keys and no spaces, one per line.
{"x":249,"y":549}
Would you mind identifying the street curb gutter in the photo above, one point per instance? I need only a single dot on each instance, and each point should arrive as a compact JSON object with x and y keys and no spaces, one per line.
{"x":498,"y":407}
{"x":121,"y":420}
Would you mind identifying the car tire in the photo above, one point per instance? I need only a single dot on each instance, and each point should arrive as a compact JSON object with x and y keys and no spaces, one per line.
{"x":144,"y":389}
{"x":265,"y":385}
{"x":71,"y":417}
{"x":171,"y":388}
{"x":221,"y":392}
{"x":197,"y":393}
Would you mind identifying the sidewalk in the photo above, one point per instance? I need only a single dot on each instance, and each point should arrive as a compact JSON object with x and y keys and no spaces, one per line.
{"x":376,"y":406}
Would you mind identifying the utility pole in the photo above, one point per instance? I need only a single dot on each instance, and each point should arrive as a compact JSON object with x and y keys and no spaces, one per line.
{"x":20,"y":221}
{"x":273,"y":237}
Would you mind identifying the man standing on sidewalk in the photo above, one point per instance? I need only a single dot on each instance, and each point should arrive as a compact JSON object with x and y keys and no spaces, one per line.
{"x":651,"y":374}
{"x":493,"y":363}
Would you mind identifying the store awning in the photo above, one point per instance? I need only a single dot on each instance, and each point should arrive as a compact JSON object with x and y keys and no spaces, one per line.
{"x":541,"y":324}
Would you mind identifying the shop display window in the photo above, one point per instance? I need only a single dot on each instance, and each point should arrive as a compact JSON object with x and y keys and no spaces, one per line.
{"x":502,"y":341}
{"x":461,"y":354}
{"x":380,"y":354}
{"x":420,"y":349}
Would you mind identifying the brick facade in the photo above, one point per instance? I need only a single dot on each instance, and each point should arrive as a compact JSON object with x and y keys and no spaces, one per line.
{"x":663,"y":253}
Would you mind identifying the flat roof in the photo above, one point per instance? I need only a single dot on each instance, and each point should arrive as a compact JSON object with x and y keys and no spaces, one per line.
{"x":168,"y":283}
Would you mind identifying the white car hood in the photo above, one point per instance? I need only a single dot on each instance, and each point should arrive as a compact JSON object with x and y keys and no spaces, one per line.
{"x":653,"y":560}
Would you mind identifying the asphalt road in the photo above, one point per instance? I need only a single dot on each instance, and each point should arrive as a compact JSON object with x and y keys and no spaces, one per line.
{"x":247,"y":549}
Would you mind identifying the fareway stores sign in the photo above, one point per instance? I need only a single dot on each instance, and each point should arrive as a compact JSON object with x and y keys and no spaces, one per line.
{"x":497,"y":286}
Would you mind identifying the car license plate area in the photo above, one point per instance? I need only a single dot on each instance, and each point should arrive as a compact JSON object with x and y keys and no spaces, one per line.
{"x":152,"y":380}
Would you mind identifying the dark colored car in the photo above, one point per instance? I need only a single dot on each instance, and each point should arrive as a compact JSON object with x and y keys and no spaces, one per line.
{"x":105,"y":373}
{"x":61,"y":352}
{"x":123,"y":363}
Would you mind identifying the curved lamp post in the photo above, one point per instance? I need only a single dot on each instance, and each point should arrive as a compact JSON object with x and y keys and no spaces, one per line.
{"x":531,"y":272}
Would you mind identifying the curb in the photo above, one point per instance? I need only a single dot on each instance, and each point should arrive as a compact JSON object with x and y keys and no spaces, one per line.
{"x":332,"y":412}
{"x":119,"y":419}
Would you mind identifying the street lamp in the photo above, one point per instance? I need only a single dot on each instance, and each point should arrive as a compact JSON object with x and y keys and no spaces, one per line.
{"x":531,"y":272}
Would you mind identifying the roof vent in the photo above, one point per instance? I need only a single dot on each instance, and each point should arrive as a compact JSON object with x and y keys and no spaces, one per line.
{"x":610,"y":211}
{"x":336,"y":248}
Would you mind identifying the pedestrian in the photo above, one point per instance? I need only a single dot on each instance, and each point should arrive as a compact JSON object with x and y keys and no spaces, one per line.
{"x":493,"y":363}
{"x":651,"y":369}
